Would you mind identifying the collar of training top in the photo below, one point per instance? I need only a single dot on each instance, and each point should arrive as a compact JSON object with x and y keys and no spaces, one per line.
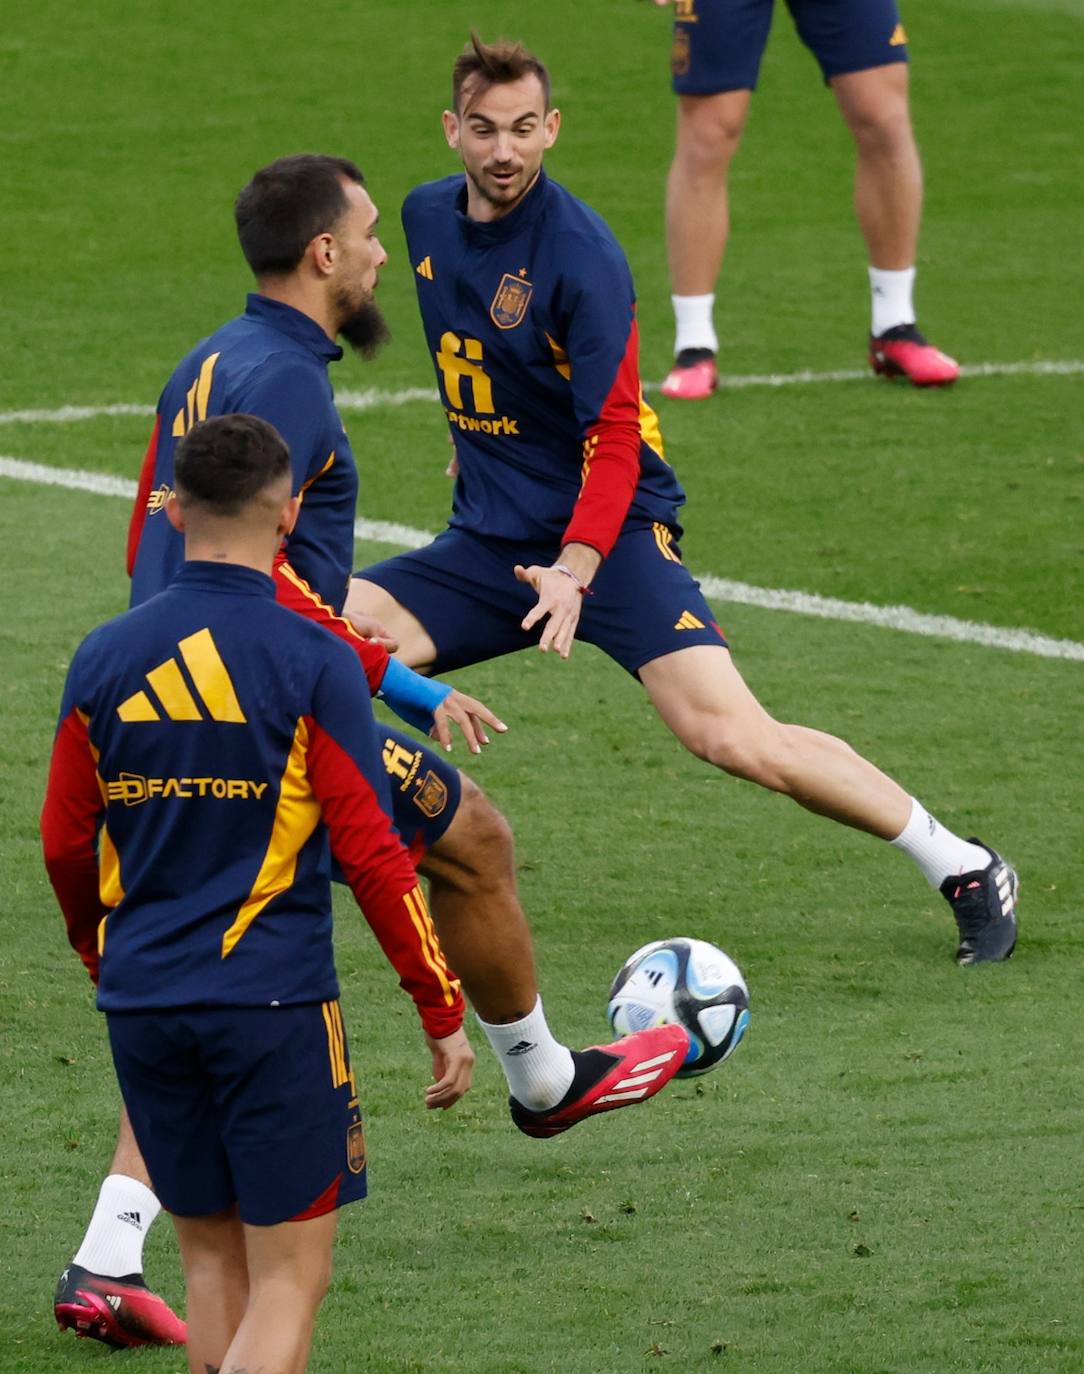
{"x":293,"y":323}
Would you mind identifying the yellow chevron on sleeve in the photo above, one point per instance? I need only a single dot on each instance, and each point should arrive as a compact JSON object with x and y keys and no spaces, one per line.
{"x":203,"y":385}
{"x":211,"y":677}
{"x":425,"y":268}
{"x":560,"y":359}
{"x":431,"y":951}
{"x":171,"y":690}
{"x":296,"y":816}
{"x":137,"y":707}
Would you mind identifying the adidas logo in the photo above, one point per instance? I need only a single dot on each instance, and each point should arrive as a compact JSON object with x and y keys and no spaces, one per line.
{"x":425,"y":268}
{"x":196,"y":399}
{"x":688,"y":621}
{"x":524,"y":1047}
{"x":899,"y":37}
{"x":176,"y":694}
{"x":639,"y":1080}
{"x":132,"y":1218}
{"x":113,"y":1300}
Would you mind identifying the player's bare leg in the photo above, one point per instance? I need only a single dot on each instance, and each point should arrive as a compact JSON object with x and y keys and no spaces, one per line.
{"x":416,"y":648}
{"x":709,"y":130}
{"x":888,"y":204}
{"x":485,"y":935}
{"x":281,"y":1274}
{"x":476,"y":909}
{"x":216,"y":1278}
{"x":702,"y":697}
{"x":88,"y":1299}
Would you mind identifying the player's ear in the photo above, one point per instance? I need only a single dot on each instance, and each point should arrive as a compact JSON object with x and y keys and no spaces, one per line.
{"x":288,"y":515}
{"x":321,"y":251}
{"x":450,"y":120}
{"x":551,"y":127}
{"x":173,"y":512}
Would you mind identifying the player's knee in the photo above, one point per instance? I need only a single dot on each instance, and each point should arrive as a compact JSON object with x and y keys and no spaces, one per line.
{"x":477,"y":846}
{"x":708,"y":139}
{"x":751,"y":756}
{"x":882,"y":130}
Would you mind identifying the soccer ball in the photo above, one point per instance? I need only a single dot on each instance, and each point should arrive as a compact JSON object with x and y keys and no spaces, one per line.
{"x":685,"y":982}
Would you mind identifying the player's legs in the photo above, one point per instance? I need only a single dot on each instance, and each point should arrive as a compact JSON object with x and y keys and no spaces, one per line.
{"x":416,"y":648}
{"x":861,"y":47}
{"x":709,"y":130}
{"x":112,"y":1248}
{"x":702,"y":697}
{"x":216,"y":1281}
{"x":475,"y":906}
{"x":888,"y":172}
{"x":289,"y":1269}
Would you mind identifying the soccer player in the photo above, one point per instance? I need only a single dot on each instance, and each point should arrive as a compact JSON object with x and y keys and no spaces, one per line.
{"x":211,"y":743}
{"x":308,"y":229}
{"x":565,"y":516}
{"x":861,"y":47}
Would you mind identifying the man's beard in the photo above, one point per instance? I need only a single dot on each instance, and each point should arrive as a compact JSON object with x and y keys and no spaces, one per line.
{"x":365,"y":330}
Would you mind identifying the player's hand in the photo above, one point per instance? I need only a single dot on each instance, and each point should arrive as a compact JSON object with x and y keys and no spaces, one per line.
{"x":470,"y":715}
{"x":453,"y":1068}
{"x":370,"y":628}
{"x":560,"y":598}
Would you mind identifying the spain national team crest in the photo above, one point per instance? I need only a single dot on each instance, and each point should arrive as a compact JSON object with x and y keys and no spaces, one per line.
{"x":511,"y":301}
{"x":432,"y":795}
{"x":355,"y":1147}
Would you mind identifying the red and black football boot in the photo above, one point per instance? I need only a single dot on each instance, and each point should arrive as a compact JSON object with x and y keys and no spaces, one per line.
{"x":120,"y":1313}
{"x":609,"y":1076}
{"x":904,"y":352}
{"x":693,"y":377}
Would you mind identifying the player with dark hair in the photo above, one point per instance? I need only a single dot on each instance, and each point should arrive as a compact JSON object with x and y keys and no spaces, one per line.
{"x":861,"y":47}
{"x":211,"y":744}
{"x":272,"y":361}
{"x":565,"y":515}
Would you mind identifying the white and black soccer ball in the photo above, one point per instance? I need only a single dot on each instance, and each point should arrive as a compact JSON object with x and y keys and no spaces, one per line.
{"x":688,"y":982}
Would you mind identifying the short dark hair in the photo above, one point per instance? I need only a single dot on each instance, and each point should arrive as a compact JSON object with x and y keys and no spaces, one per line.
{"x":226,"y":462}
{"x":495,"y":64}
{"x":286,"y":204}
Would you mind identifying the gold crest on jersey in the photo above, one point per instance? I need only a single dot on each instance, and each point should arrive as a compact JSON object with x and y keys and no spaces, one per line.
{"x":511,"y":301}
{"x":432,"y":795}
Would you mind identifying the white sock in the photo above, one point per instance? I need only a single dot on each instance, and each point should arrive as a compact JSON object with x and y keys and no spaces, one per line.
{"x":538,"y":1068}
{"x":113,"y":1244}
{"x":937,"y":851}
{"x":692,"y":316}
{"x":890,"y":295}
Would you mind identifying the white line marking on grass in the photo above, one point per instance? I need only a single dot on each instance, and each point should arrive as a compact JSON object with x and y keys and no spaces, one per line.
{"x":373,"y":398}
{"x":721,"y":589}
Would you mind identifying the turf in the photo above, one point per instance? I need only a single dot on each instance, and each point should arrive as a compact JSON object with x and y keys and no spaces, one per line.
{"x":885,"y":1177}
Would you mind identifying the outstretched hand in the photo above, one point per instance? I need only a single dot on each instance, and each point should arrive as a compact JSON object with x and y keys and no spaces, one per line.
{"x":470,"y":715}
{"x":453,"y":1068}
{"x":560,"y":598}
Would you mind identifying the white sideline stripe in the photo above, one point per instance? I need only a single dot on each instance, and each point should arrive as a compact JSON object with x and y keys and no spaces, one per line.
{"x":372,"y":397}
{"x":766,"y":598}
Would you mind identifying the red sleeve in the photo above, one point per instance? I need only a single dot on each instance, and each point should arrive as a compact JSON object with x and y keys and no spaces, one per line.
{"x":379,"y":871}
{"x":70,"y":820}
{"x":611,"y":459}
{"x":143,"y":491}
{"x":293,"y":591}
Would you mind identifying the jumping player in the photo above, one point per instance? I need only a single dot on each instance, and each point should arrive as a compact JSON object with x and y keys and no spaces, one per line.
{"x":210,"y":745}
{"x":309,"y":231}
{"x":565,"y":515}
{"x":861,"y":47}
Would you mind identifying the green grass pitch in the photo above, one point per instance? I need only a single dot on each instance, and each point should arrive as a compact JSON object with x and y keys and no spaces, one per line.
{"x":886,"y":1177}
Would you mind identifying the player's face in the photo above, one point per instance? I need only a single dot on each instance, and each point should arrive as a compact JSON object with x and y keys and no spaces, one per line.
{"x":501,"y":134}
{"x":360,"y":256}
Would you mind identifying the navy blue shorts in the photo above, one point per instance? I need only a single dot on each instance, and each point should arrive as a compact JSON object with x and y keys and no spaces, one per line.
{"x":463,"y":590}
{"x":718,"y":44}
{"x":425,"y":789}
{"x":250,"y":1105}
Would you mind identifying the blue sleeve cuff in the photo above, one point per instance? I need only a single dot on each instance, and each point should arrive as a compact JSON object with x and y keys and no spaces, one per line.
{"x":412,"y":697}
